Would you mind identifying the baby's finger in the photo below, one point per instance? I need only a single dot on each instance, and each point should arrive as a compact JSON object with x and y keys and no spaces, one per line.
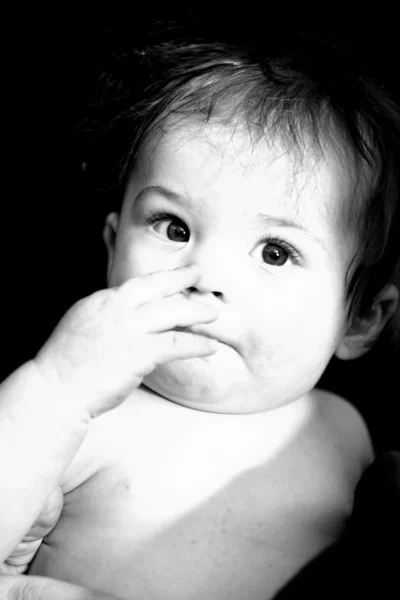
{"x":175,"y":311}
{"x":173,"y":345}
{"x":6,"y":569}
{"x":49,"y":516}
{"x":23,"y":553}
{"x":156,"y":285}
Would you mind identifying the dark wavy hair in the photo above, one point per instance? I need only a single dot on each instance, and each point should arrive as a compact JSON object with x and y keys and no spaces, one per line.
{"x":294,"y":88}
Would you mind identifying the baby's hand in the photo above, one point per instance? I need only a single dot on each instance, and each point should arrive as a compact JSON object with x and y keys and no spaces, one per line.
{"x":21,"y":557}
{"x":107,"y":343}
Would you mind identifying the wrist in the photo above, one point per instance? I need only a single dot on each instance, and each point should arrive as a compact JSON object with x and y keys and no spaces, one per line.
{"x":67,"y":399}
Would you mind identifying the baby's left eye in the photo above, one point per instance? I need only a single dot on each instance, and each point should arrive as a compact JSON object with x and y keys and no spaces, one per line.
{"x":274,"y":254}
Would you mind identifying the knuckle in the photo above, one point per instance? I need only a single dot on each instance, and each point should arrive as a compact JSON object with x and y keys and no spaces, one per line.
{"x":131,"y":286}
{"x":101,"y":297}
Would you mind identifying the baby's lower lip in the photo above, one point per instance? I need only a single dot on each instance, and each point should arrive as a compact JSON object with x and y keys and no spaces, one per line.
{"x":202,"y":333}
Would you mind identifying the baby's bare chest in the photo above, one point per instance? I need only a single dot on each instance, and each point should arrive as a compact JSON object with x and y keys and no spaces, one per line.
{"x":185,"y":515}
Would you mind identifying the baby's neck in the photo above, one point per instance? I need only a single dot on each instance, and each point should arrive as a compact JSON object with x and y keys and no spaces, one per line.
{"x":275,"y":428}
{"x":298,"y":406}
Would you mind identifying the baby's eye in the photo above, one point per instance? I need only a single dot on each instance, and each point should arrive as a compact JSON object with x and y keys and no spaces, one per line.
{"x":172,"y":228}
{"x":274,"y":254}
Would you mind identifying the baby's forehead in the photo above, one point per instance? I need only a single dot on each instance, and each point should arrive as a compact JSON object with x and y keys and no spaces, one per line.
{"x":228,"y":160}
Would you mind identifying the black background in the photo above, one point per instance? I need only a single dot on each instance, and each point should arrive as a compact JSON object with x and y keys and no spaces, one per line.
{"x":51,"y":246}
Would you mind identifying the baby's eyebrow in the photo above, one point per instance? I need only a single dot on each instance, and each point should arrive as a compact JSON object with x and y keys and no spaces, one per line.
{"x":170,"y":195}
{"x":289,"y":223}
{"x":159,"y":189}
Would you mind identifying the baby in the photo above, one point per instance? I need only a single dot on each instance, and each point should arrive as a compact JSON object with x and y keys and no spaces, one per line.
{"x":254,"y":242}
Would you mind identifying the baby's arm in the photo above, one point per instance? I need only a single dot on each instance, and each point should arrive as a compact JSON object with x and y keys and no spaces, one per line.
{"x":99,"y":352}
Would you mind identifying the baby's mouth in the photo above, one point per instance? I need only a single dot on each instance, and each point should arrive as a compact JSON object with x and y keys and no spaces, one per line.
{"x":196,"y":332}
{"x":203,"y":332}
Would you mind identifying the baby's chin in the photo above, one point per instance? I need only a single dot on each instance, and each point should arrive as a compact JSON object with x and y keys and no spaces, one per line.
{"x":195,"y":382}
{"x":201,"y":384}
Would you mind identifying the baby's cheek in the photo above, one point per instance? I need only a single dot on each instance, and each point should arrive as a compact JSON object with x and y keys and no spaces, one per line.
{"x":258,"y":347}
{"x":297,"y":323}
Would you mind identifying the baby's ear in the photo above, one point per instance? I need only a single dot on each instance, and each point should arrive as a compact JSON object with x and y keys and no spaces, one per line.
{"x":109,"y":236}
{"x":364,"y":331}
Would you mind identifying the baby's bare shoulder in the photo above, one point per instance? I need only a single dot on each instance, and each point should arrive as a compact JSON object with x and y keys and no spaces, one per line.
{"x":342,"y":425}
{"x":326,"y":462}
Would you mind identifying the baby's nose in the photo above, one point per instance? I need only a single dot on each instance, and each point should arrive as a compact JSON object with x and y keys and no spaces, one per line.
{"x":212,"y":284}
{"x":211,"y":258}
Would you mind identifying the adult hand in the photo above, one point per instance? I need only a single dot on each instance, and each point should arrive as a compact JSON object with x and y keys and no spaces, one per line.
{"x":19,"y":560}
{"x":27,"y":587}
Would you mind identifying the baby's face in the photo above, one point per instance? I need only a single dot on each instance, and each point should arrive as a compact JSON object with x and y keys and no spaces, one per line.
{"x":262,"y":230}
